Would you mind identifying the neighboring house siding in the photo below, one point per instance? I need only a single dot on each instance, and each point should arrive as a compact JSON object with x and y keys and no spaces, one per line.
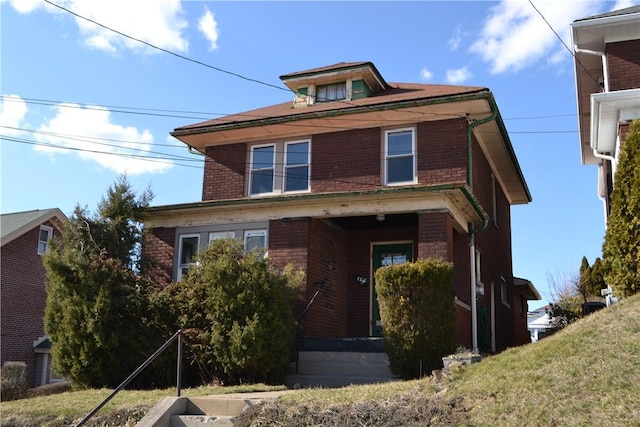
{"x":623,"y":60}
{"x":224,"y":172}
{"x":159,"y":249}
{"x":442,"y":152}
{"x":23,"y":299}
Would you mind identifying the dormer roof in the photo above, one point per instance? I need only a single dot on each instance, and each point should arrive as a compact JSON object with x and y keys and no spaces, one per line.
{"x":341,"y":71}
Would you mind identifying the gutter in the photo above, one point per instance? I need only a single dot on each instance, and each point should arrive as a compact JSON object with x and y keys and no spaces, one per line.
{"x":393,"y":105}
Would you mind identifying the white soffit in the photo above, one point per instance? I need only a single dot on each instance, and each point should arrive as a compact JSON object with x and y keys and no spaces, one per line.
{"x":606,"y":110}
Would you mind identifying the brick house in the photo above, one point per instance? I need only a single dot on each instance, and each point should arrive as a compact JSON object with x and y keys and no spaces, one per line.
{"x":24,"y":239}
{"x":607,"y":69}
{"x":357,"y":173}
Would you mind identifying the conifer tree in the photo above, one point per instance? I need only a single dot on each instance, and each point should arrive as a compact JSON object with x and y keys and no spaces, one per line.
{"x":96,"y":302}
{"x":621,"y":249}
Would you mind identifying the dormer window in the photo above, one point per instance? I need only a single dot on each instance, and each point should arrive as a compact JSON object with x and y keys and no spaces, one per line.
{"x":332,"y":92}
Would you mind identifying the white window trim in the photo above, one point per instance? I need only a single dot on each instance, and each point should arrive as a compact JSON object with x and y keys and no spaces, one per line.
{"x":49,"y":231}
{"x":285,"y":166}
{"x":385,"y":157}
{"x":273,"y":167}
{"x":181,"y":239}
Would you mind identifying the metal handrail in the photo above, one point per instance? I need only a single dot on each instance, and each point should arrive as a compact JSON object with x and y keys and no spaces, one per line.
{"x":178,"y":336}
{"x":302,"y":316}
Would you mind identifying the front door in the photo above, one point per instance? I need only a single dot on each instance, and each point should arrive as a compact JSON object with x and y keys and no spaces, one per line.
{"x":383,"y":255}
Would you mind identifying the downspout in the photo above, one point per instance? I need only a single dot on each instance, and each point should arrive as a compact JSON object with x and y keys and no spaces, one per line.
{"x":605,"y":73}
{"x":472,"y":229}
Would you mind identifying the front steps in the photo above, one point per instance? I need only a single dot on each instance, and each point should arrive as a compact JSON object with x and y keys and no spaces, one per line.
{"x":207,"y":411}
{"x":340,"y":362}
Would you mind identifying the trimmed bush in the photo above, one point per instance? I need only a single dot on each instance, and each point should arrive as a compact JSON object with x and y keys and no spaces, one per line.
{"x":417,"y":312}
{"x":236,"y":310}
{"x":13,"y":384}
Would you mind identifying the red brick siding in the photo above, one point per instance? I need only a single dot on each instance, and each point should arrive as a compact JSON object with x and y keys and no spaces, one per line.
{"x":158,"y":248}
{"x":435,"y":236}
{"x":346,"y":161}
{"x":224,"y":171}
{"x":23,"y":298}
{"x":461,"y":267}
{"x":623,"y":61}
{"x":442,"y":156}
{"x":463,"y":326}
{"x":360,"y":265}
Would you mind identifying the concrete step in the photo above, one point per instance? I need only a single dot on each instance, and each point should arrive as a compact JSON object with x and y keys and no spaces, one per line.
{"x":200,"y":421}
{"x":339,"y":369}
{"x":219,"y":410}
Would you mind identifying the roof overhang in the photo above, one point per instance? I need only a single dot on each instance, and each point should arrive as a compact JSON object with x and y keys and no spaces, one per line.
{"x":35,"y":221}
{"x":589,"y":40}
{"x":492,"y":135}
{"x":525,"y":288}
{"x":455,"y":199}
{"x":607,"y":110}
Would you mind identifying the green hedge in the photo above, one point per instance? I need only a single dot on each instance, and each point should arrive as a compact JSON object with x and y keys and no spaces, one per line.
{"x":417,"y":312}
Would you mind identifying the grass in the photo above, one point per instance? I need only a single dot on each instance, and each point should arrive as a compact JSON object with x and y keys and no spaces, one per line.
{"x":587,"y":374}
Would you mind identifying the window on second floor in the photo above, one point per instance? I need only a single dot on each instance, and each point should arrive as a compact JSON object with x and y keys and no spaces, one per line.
{"x":46,"y":233}
{"x":399,"y":156}
{"x":282,"y":167}
{"x":263,"y":161}
{"x":331,"y":92}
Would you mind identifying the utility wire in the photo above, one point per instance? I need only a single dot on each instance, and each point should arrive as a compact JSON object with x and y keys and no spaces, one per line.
{"x":195,"y":61}
{"x":561,"y":41}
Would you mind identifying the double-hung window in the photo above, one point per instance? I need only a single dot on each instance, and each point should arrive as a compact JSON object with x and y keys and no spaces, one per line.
{"x":399,"y":156}
{"x":45,"y":234}
{"x":296,"y":167}
{"x":189,"y":244}
{"x":263,"y":161}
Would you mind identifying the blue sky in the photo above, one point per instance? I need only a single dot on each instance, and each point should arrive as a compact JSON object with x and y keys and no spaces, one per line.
{"x":73,"y":91}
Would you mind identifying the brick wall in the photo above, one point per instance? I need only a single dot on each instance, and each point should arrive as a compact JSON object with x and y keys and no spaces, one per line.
{"x":224,"y":170}
{"x":435,"y":236}
{"x":442,"y":155}
{"x":346,"y":161}
{"x":623,"y":61}
{"x":158,"y":248}
{"x":23,"y":298}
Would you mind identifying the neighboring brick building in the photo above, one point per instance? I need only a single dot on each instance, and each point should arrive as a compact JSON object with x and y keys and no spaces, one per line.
{"x":607,"y":68}
{"x":353,"y":174}
{"x":24,"y":238}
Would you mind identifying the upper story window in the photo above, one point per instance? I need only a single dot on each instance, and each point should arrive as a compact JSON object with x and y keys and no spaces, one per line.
{"x":189,"y":244}
{"x":282,"y":167}
{"x":263,"y":158}
{"x":296,"y":167}
{"x":399,"y":156}
{"x":46,"y":233}
{"x":331,"y":92}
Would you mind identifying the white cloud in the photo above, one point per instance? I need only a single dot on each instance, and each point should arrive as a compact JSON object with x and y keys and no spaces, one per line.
{"x":209,"y":27}
{"x":455,"y":41}
{"x":90,"y":133}
{"x":158,"y":22}
{"x":515,"y":36}
{"x":459,"y":75}
{"x":623,"y":4}
{"x":12,"y":112}
{"x":426,"y":75}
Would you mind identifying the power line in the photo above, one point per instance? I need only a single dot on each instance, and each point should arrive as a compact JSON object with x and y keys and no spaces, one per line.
{"x":562,"y":41}
{"x":195,"y":61}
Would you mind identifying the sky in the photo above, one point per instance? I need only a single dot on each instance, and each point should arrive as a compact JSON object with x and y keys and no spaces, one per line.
{"x":90,"y":90}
